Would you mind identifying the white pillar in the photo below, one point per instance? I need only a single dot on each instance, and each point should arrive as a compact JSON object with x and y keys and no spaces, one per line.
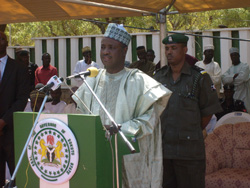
{"x":74,"y":43}
{"x":62,"y":57}
{"x":225,"y":45}
{"x":207,"y":40}
{"x":155,"y":45}
{"x":11,"y":52}
{"x":141,"y":40}
{"x":245,"y":46}
{"x":38,"y":50}
{"x":129,"y":53}
{"x":50,"y":50}
{"x":98,"y":48}
{"x":86,"y":41}
{"x":191,"y":46}
{"x":74,"y":53}
{"x":163,"y":34}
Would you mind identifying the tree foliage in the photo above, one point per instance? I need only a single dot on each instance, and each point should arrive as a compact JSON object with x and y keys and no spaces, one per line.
{"x":230,"y":18}
{"x":22,"y":33}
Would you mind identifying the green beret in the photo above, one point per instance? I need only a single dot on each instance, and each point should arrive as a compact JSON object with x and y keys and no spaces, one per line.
{"x":175,"y":38}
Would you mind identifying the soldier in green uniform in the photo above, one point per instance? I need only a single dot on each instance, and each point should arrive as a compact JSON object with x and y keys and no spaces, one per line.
{"x":190,"y":108}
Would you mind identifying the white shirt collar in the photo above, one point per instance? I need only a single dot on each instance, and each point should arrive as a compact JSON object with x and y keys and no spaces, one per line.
{"x":4,"y":59}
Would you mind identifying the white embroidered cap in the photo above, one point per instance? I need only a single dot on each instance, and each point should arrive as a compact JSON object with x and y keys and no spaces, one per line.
{"x":233,"y":50}
{"x":208,"y":47}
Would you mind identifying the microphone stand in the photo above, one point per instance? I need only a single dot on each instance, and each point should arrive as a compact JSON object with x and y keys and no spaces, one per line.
{"x":129,"y":145}
{"x":11,"y":183}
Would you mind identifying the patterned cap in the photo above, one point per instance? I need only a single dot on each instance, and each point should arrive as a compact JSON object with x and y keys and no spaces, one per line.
{"x":86,"y":49}
{"x":175,"y":38}
{"x":34,"y":93}
{"x":233,"y":50}
{"x":118,"y":32}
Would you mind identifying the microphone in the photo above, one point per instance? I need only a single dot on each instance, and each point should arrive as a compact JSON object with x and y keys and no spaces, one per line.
{"x":53,"y":83}
{"x":91,"y":72}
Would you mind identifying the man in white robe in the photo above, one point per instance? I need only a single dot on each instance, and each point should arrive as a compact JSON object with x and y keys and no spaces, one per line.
{"x":238,"y":74}
{"x":84,"y":64}
{"x":135,"y":101}
{"x":211,"y":67}
{"x":56,"y":106}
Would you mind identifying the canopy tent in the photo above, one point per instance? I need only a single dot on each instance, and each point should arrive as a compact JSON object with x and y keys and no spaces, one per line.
{"x":183,"y":6}
{"x":14,"y":11}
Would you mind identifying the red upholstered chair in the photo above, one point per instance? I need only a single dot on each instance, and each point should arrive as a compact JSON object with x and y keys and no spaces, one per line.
{"x":228,"y":156}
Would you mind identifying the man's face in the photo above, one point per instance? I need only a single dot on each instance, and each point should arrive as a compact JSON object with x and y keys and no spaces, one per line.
{"x":87,"y":56}
{"x":25,"y":59}
{"x":3,"y":43}
{"x":175,"y":53}
{"x":150,"y":56}
{"x":142,"y":54}
{"x":209,"y":54}
{"x":113,"y":55}
{"x":56,"y":95}
{"x":46,"y":60}
{"x":229,"y":93}
{"x":235,"y":57}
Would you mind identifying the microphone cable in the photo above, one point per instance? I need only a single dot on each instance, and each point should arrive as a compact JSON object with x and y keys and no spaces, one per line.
{"x":33,"y":121}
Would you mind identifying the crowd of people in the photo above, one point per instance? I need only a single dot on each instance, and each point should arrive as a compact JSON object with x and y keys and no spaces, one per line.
{"x":165,"y":108}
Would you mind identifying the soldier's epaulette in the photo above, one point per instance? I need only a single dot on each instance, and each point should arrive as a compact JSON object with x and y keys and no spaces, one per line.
{"x":200,"y":70}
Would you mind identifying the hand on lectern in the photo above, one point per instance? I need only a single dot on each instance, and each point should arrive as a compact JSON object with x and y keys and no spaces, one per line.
{"x":112,"y":129}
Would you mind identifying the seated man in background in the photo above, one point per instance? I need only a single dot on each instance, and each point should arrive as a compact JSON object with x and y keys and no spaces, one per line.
{"x":71,"y":107}
{"x":228,"y":104}
{"x":56,"y":106}
{"x":143,"y":63}
{"x":35,"y":103}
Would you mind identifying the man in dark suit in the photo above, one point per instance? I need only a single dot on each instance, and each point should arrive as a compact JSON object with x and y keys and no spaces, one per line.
{"x":14,"y":92}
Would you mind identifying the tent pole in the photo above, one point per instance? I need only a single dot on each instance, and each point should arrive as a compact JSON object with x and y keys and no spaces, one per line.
{"x":163,"y":31}
{"x":163,"y":34}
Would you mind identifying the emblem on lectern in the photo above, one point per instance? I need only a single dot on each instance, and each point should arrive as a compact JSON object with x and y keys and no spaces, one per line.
{"x":53,"y":151}
{"x":51,"y":154}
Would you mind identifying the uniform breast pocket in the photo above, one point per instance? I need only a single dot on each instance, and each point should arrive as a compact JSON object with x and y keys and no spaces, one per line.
{"x":188,"y":104}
